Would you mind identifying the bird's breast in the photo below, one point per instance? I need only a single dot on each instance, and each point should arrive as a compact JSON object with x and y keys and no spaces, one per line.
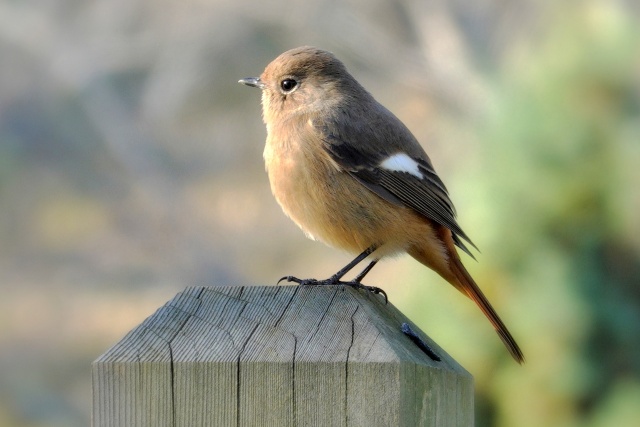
{"x":324,"y":201}
{"x":302,"y":182}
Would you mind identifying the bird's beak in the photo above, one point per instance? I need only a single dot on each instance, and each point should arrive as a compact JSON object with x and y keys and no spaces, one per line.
{"x":252,"y":81}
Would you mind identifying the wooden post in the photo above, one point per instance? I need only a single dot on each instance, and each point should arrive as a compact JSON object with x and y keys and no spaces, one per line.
{"x":279,"y":356}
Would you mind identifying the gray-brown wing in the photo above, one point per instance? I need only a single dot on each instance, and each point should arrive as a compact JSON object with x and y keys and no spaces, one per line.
{"x":421,"y":194}
{"x":427,"y":194}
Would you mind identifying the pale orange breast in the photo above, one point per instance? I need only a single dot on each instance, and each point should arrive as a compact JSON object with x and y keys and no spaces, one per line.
{"x":331,"y":206}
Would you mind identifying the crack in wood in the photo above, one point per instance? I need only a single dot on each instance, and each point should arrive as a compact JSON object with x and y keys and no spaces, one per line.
{"x":286,"y":307}
{"x":238,"y":381}
{"x":346,"y":368}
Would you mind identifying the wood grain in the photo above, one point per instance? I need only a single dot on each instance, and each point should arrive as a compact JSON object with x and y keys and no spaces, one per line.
{"x":278,"y":356}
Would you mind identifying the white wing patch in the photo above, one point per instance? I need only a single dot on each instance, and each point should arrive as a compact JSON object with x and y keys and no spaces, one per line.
{"x":401,"y":162}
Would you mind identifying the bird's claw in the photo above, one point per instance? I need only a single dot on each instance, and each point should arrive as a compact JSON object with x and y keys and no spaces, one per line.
{"x":373,"y":289}
{"x":303,"y":282}
{"x":334,"y":281}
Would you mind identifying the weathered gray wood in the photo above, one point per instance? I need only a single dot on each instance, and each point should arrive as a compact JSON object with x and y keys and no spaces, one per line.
{"x":277,"y":356}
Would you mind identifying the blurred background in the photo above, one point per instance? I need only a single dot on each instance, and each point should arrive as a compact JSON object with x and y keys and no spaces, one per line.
{"x":131,"y":167}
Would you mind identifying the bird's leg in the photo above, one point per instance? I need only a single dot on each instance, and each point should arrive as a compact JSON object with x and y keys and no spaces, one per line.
{"x":356,"y":283}
{"x":364,"y":272}
{"x":335,"y":279}
{"x":344,"y":270}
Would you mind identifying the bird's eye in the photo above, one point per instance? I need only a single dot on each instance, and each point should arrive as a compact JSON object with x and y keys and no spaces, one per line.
{"x":287,"y":85}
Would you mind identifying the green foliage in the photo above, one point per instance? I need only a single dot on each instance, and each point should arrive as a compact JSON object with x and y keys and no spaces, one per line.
{"x":559,"y":170}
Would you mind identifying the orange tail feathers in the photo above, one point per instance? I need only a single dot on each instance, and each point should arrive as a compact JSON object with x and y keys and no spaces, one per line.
{"x":467,"y":285}
{"x":449,"y":266}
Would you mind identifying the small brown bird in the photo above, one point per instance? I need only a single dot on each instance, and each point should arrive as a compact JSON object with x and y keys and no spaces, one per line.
{"x":351,"y":174}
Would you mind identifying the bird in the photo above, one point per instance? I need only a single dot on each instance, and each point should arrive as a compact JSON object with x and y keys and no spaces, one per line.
{"x":350,"y":174}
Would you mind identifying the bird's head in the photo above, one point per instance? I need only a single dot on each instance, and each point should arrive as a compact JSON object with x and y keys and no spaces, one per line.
{"x":302,"y":81}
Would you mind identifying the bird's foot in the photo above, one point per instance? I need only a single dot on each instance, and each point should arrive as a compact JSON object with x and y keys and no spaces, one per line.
{"x":373,"y":289}
{"x":307,"y":282}
{"x":335,"y":281}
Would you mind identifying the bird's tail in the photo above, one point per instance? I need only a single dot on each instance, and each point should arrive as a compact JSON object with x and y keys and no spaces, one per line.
{"x":468,"y":286}
{"x":449,"y":266}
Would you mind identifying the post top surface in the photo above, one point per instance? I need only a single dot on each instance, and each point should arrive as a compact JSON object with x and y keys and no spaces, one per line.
{"x":279,"y":324}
